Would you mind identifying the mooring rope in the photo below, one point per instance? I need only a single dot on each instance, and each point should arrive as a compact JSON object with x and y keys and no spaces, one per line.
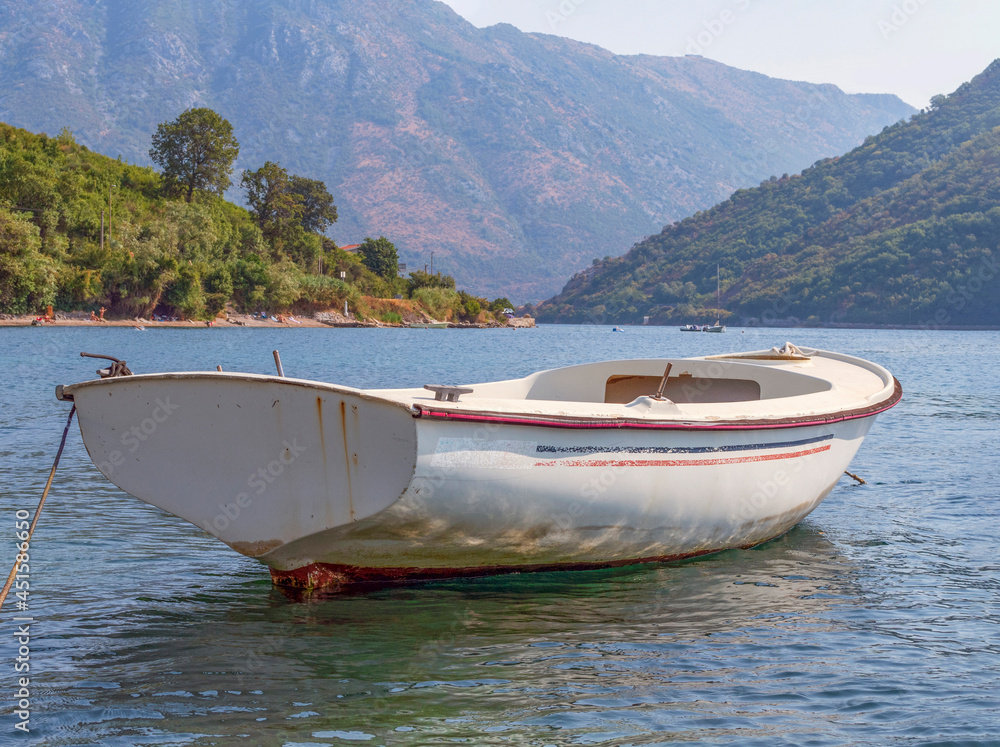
{"x":20,"y":557}
{"x":851,"y":474}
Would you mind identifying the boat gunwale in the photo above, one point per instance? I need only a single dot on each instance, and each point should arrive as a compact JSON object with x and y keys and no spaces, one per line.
{"x":365,"y":394}
{"x":469,"y":415}
{"x":556,"y":421}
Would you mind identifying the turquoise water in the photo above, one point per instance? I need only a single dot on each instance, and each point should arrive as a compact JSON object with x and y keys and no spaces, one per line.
{"x":873,"y":622}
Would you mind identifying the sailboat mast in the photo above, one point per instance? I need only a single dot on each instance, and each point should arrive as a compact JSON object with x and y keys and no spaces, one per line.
{"x":718,"y":295}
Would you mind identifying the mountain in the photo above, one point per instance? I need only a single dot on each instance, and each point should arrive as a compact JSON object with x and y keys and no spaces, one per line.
{"x":904,"y":229}
{"x":515,"y":158}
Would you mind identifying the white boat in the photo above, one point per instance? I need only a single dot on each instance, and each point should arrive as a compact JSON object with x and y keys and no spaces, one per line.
{"x":600,"y":464}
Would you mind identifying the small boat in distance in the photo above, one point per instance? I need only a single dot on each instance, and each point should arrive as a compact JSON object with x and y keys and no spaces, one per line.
{"x":428,"y":325}
{"x":717,"y":327}
{"x":594,"y":465}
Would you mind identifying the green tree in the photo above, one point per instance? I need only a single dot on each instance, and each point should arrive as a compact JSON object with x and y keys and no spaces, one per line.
{"x":27,"y":278}
{"x":471,"y":306}
{"x":273,"y":204}
{"x":318,"y":210}
{"x":195,"y":151}
{"x":420,"y":279}
{"x":379,"y":255}
{"x":499,"y":304}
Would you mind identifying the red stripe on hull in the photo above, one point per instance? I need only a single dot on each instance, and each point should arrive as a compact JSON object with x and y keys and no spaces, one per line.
{"x":678,"y":462}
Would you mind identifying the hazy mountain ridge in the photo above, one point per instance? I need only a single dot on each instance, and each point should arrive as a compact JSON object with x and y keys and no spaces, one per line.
{"x":904,"y":229}
{"x":515,"y":157}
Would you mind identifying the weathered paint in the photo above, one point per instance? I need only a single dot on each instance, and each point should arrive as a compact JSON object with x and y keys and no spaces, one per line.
{"x":226,"y":429}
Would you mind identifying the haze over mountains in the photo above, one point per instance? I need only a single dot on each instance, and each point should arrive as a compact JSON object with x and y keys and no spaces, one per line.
{"x":516,"y":158}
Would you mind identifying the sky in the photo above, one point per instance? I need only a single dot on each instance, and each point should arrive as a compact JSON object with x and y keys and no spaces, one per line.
{"x":913,"y":48}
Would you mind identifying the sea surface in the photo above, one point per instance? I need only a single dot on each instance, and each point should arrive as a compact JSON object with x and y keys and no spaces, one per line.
{"x":876,"y":621}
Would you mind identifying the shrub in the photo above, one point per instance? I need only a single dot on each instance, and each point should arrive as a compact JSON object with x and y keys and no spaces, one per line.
{"x":320,"y":292}
{"x":421,"y":279}
{"x":500,"y":304}
{"x":439,"y":302}
{"x":184,"y":294}
{"x":470,"y":305}
{"x":27,"y":277}
{"x":282,"y":284}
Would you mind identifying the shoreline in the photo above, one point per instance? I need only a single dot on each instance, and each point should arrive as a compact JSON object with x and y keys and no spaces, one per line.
{"x":237,"y":321}
{"x":338,"y":321}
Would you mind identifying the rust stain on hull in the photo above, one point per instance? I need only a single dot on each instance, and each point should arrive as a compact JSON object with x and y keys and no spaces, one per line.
{"x":322,"y":436}
{"x":331,"y":576}
{"x":347,"y":457}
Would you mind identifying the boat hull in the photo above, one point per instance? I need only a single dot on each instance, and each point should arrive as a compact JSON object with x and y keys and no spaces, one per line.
{"x":516,"y":498}
{"x":330,"y":485}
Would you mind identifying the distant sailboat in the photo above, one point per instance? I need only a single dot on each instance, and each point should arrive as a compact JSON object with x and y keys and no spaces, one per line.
{"x":718,"y":312}
{"x":718,"y":306}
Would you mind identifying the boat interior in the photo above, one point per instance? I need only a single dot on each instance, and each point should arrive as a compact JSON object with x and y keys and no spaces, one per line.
{"x":699,"y":381}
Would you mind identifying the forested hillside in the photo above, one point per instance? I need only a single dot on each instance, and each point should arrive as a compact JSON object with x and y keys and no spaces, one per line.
{"x":515,"y":158}
{"x":905,"y":229}
{"x":163,"y":254}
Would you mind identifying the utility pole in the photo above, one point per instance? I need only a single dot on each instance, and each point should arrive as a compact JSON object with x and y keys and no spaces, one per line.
{"x":102,"y":230}
{"x":432,"y":263}
{"x":109,"y":211}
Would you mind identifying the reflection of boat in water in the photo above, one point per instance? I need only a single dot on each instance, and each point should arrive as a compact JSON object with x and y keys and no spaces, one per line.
{"x":593,"y":465}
